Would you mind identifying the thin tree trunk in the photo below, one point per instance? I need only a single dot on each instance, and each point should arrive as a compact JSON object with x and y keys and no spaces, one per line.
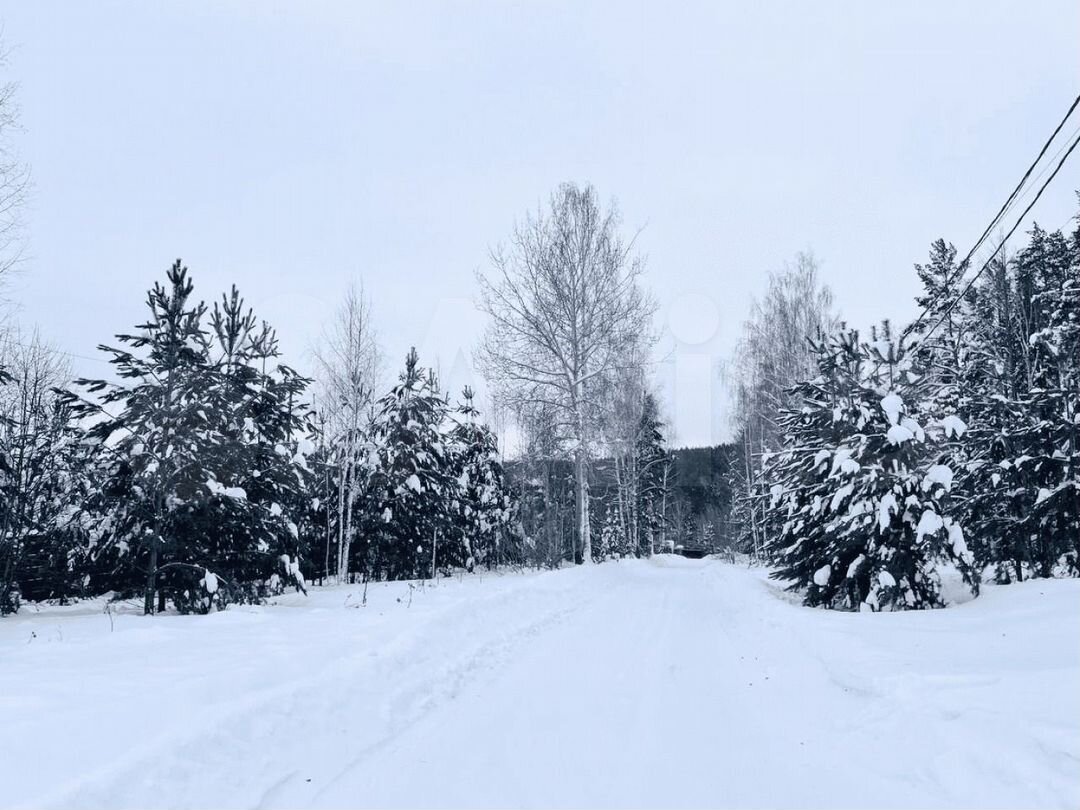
{"x":151,"y":578}
{"x":581,"y":474}
{"x":663,"y":514}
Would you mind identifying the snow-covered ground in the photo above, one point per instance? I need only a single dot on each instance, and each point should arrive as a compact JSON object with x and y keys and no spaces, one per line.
{"x":649,"y":683}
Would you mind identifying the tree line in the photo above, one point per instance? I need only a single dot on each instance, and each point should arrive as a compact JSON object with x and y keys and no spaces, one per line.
{"x":872,"y":463}
{"x":205,"y":470}
{"x":197,"y":475}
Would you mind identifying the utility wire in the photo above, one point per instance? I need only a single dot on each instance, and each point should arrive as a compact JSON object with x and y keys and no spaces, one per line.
{"x":49,"y":348}
{"x":1049,"y":163}
{"x":962,"y":267}
{"x":997,"y":250}
{"x":1034,"y":180}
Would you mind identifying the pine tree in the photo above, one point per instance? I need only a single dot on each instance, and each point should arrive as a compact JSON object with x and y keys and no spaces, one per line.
{"x":611,"y":546}
{"x":246,"y":530}
{"x":195,"y":453}
{"x":688,"y":532}
{"x":152,"y":451}
{"x":413,"y":493}
{"x":1020,"y":488}
{"x":1055,"y":401}
{"x":485,"y":513}
{"x":940,"y":353}
{"x":709,"y":538}
{"x":863,"y":510}
{"x":653,"y":461}
{"x":56,"y":563}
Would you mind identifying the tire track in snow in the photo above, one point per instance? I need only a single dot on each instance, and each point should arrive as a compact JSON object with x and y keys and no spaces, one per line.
{"x":232,"y":746}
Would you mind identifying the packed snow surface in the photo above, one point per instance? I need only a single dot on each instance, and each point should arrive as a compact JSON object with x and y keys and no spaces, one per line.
{"x":663,"y":683}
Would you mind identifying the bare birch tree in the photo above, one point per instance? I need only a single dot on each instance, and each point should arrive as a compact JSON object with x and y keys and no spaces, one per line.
{"x":348,"y":365}
{"x":773,"y":354}
{"x":14,"y":179}
{"x":632,"y":439}
{"x":567,"y":310}
{"x":31,"y":427}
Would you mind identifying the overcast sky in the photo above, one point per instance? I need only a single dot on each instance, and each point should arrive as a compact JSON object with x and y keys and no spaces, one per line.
{"x":293,"y":147}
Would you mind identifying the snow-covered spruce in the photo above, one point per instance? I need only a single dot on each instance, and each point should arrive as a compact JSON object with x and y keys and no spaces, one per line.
{"x":196,"y":450}
{"x":858,"y":505}
{"x":1021,"y":484}
{"x":411,"y":490}
{"x":484,"y":513}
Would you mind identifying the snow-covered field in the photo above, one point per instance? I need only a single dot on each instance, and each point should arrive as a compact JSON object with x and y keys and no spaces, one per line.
{"x":661,"y":683}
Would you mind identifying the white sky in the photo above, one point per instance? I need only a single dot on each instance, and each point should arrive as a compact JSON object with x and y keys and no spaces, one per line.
{"x":292,"y":147}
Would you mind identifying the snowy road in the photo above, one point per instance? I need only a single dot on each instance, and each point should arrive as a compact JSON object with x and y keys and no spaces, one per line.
{"x":664,"y":683}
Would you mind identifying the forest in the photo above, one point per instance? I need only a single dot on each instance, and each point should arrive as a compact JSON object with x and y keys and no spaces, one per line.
{"x":207,"y":471}
{"x":868,"y":461}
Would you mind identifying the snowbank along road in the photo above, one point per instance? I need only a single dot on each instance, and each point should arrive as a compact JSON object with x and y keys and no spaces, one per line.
{"x":667,"y":682}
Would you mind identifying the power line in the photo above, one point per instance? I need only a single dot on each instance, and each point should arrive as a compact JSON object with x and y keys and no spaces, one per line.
{"x":1049,"y":163}
{"x":962,"y":267}
{"x":51,"y":349}
{"x":1031,"y":186}
{"x":1016,"y":225}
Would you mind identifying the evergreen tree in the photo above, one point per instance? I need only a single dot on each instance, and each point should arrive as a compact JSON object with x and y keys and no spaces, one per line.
{"x":709,"y":538}
{"x":940,"y":352}
{"x":611,"y":546}
{"x":193,"y":453}
{"x":246,"y":529}
{"x":153,"y":449}
{"x":1020,"y":487}
{"x":688,"y":531}
{"x":863,"y":510}
{"x":413,"y":493}
{"x":485,"y":512}
{"x":653,"y":462}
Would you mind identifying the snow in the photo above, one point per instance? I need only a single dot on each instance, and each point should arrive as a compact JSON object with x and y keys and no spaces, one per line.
{"x":777,"y":492}
{"x":839,"y":496}
{"x":413,"y":483}
{"x":843,"y":462}
{"x":938,"y":474}
{"x":959,"y":545}
{"x":216,"y":487}
{"x":210,"y":582}
{"x":929,"y":523}
{"x":898,"y":434}
{"x":663,"y":683}
{"x":820,"y":458}
{"x":892,"y":404}
{"x":821,"y":576}
{"x":954,"y":426}
{"x":914,"y":427}
{"x":292,"y":566}
{"x":887,"y":507}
